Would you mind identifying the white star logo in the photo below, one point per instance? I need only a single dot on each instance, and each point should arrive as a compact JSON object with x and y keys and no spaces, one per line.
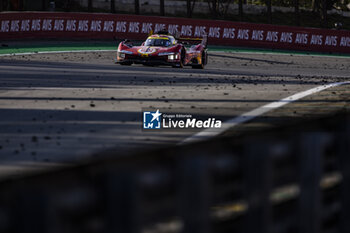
{"x":156,"y":115}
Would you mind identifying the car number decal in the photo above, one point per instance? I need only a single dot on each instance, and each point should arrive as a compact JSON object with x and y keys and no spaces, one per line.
{"x":146,"y":51}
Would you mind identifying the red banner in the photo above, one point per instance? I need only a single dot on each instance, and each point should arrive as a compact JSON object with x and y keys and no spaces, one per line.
{"x":97,"y":26}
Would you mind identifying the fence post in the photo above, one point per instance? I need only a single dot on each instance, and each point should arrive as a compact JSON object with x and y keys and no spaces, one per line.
{"x":257,"y":179}
{"x":343,"y":141}
{"x":162,"y":10}
{"x":324,"y":20}
{"x":137,"y":7}
{"x":296,"y":12}
{"x":189,"y":8}
{"x":112,"y":6}
{"x":30,"y":213}
{"x":4,"y":219}
{"x":21,"y":5}
{"x":194,"y":194}
{"x":310,"y":152}
{"x":240,"y":9}
{"x":43,"y":5}
{"x":90,"y":6}
{"x":269,"y":11}
{"x":122,"y":202}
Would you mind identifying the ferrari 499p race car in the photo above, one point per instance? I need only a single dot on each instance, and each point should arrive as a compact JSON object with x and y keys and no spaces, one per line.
{"x":164,"y":49}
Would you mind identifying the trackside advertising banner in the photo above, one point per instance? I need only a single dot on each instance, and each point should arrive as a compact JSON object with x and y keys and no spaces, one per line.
{"x":98,"y":26}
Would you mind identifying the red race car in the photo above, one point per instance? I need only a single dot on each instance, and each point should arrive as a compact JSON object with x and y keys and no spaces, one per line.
{"x":163,"y":49}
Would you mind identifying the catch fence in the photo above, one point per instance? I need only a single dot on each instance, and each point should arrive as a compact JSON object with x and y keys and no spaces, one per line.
{"x":272,"y":182}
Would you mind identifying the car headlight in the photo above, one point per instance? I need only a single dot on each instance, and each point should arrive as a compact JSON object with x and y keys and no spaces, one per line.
{"x":125,"y":51}
{"x":171,"y":57}
{"x":165,"y":54}
{"x":122,"y":55}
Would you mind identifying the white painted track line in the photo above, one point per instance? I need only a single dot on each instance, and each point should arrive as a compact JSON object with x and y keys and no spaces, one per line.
{"x":210,"y":133}
{"x":53,"y":52}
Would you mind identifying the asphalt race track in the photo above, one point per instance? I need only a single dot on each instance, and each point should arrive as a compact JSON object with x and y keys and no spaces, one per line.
{"x":57,"y":108}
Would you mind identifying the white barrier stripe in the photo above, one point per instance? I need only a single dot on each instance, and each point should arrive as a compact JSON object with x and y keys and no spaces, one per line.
{"x":209,"y":133}
{"x":292,"y":52}
{"x":49,"y":52}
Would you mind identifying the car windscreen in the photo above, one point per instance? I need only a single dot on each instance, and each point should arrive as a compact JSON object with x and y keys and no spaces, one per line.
{"x":157,"y":42}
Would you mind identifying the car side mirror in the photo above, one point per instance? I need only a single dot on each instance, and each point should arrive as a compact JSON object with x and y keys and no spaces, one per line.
{"x":143,"y":44}
{"x":128,"y":43}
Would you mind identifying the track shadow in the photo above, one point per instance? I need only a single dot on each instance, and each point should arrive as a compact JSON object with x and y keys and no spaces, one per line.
{"x":17,"y":74}
{"x":252,"y":59}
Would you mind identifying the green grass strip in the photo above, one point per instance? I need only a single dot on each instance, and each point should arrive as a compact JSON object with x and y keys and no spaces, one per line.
{"x":78,"y":46}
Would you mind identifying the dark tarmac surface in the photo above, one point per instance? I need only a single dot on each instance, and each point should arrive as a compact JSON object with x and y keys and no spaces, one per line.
{"x":59,"y":108}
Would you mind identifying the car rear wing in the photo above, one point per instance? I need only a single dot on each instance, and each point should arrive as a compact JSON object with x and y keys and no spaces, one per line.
{"x":203,"y":41}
